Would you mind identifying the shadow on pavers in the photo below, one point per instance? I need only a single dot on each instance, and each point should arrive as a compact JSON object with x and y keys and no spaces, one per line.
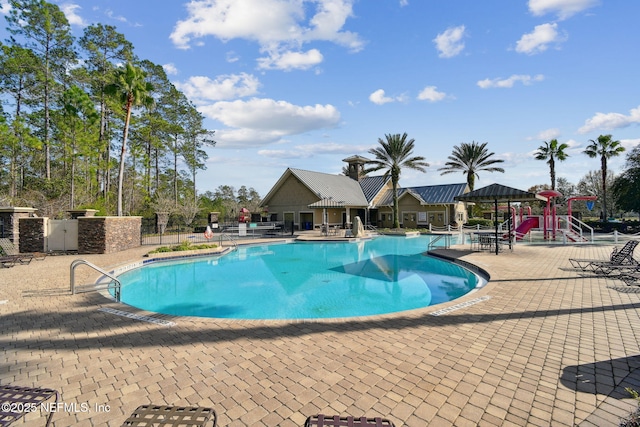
{"x":609,"y":378}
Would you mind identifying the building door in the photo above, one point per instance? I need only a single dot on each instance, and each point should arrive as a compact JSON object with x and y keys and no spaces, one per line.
{"x":409,"y":220}
{"x":289,"y":221}
{"x":306,"y":220}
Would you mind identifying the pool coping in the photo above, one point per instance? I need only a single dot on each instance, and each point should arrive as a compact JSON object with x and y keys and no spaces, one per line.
{"x":482,"y":275}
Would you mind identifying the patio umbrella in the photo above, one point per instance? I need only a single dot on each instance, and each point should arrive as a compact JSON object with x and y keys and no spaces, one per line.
{"x":495,"y":193}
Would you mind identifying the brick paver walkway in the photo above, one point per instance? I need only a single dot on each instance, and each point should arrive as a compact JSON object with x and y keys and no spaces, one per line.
{"x":542,"y":346}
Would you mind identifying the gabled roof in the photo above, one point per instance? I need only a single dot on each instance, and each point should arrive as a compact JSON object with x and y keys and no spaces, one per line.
{"x":429,"y":194}
{"x":371,"y":185}
{"x":341,"y":189}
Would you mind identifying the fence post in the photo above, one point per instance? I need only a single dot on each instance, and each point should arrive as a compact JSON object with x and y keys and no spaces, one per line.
{"x":615,"y":236}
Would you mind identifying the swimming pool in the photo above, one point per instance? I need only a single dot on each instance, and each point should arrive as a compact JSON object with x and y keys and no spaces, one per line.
{"x":300,"y":281}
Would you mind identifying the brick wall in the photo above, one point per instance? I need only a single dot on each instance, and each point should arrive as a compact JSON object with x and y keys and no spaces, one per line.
{"x":32,"y":234}
{"x":108,"y":234}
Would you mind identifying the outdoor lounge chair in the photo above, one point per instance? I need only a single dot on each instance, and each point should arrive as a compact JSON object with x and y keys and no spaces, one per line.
{"x":622,"y":258}
{"x":630,"y":278}
{"x":10,"y":250}
{"x":8,"y":261}
{"x":338,"y":421}
{"x":16,"y":402}
{"x":162,"y":415}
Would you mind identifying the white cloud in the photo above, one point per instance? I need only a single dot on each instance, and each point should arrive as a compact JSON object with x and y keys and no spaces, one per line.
{"x":110,"y":14}
{"x":509,"y":82}
{"x":563,"y":8}
{"x":630,"y":144}
{"x":285,"y":154}
{"x":5,"y":7}
{"x":291,"y":60}
{"x":379,"y":97}
{"x":538,"y":41}
{"x":232,"y":57}
{"x":430,"y":93}
{"x":170,"y":69}
{"x":328,"y":21}
{"x":201,"y":89}
{"x":575,"y":147}
{"x":513,"y":159}
{"x":259,"y":121}
{"x":69,"y":10}
{"x":404,"y":3}
{"x":609,"y":121}
{"x":311,"y":150}
{"x":547,"y":134}
{"x":279,"y":27}
{"x":449,"y":43}
{"x":244,"y":138}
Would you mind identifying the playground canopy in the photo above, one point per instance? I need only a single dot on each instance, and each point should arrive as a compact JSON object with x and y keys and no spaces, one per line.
{"x":496,"y":193}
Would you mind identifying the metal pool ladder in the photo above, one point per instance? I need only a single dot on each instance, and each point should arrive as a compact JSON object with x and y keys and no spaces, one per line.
{"x":230,"y":238}
{"x":447,"y":241}
{"x":99,"y":286}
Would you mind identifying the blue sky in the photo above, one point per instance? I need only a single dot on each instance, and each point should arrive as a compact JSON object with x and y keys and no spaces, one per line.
{"x":306,"y":83}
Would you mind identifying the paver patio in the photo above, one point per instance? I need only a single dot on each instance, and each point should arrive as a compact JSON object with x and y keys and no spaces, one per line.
{"x":536,"y":346}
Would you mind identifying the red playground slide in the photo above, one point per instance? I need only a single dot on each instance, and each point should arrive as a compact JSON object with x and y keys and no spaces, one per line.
{"x":525,"y":226}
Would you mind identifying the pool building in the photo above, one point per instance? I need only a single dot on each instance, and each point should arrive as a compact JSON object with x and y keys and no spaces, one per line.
{"x":310,"y":199}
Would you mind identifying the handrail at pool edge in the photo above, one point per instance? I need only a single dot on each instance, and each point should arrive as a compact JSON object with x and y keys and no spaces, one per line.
{"x":79,"y":262}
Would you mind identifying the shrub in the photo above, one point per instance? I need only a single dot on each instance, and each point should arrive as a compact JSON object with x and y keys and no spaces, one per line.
{"x":633,"y":420}
{"x":184,"y":246}
{"x":483,"y":222}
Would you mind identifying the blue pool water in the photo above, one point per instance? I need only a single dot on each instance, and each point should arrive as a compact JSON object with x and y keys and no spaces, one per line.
{"x":300,"y":281}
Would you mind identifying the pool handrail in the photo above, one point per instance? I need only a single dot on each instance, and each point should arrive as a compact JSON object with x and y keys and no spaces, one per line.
{"x":230,"y":238}
{"x":72,"y":280}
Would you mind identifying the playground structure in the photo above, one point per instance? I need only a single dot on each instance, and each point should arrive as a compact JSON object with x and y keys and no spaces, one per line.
{"x":550,"y":224}
{"x":244,"y":215}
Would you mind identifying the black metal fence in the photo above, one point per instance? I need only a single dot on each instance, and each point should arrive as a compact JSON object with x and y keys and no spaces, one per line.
{"x":174,"y":232}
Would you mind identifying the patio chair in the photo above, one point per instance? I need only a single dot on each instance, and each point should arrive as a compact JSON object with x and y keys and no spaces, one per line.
{"x":630,"y":278}
{"x":622,"y":258}
{"x":162,"y":415}
{"x":321,"y":420}
{"x":488,"y":242}
{"x":8,"y":261}
{"x":10,"y":250}
{"x":16,"y":402}
{"x":473,"y":241}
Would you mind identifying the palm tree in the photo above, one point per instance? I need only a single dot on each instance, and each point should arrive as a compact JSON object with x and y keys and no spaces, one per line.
{"x":606,"y":148}
{"x":552,"y":151}
{"x":394,"y":154}
{"x":131,"y":88}
{"x":471,"y":159}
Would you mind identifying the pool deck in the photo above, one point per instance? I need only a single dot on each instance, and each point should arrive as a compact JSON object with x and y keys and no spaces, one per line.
{"x":538,"y":345}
